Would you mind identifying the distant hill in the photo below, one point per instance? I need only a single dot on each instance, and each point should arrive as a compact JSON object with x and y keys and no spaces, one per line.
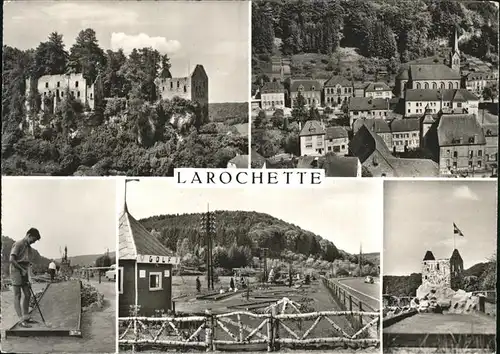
{"x":476,"y":270}
{"x":40,"y":263}
{"x":235,"y":112}
{"x":88,"y":259}
{"x":373,"y":257}
{"x":404,"y":285}
{"x":251,"y":229}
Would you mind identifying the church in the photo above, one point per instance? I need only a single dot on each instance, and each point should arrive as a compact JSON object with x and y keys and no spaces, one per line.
{"x":432,"y":76}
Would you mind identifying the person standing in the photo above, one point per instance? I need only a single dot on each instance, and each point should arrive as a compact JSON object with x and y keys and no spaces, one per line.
{"x":52,"y":270}
{"x":198,"y":284}
{"x":231,"y":283}
{"x":20,"y":263}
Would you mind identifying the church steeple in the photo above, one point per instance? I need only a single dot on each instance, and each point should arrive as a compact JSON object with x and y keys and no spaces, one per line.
{"x":455,"y":53}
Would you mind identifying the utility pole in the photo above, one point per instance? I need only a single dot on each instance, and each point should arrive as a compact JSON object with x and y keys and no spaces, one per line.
{"x":208,"y":228}
{"x":264,"y":256}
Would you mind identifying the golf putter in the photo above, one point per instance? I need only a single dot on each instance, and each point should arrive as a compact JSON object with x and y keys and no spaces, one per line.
{"x":37,"y":305}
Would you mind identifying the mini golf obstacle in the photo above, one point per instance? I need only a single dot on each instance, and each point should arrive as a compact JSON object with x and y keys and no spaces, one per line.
{"x":61,"y":306}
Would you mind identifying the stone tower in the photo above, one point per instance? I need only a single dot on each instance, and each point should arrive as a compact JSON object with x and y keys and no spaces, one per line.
{"x":455,"y":54}
{"x":442,"y":272}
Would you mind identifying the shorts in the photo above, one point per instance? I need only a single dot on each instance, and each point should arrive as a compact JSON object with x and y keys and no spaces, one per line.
{"x":17,"y":278}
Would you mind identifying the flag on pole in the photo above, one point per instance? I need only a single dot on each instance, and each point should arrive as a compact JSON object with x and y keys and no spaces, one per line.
{"x":456,"y":230}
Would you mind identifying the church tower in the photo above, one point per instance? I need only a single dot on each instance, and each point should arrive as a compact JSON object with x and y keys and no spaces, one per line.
{"x":455,"y":54}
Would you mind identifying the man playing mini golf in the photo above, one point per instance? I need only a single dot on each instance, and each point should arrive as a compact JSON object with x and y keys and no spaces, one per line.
{"x":20,"y":262}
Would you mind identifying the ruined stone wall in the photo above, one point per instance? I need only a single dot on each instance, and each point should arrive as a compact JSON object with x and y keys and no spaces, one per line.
{"x":436,"y":272}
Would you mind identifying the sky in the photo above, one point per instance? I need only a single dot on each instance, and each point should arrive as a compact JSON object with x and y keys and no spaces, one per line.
{"x":419,"y":216}
{"x":212,"y":33}
{"x":79,"y":214}
{"x":345,"y":212}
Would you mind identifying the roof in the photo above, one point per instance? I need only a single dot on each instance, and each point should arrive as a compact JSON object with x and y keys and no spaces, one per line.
{"x":240,"y":161}
{"x":403,"y":75}
{"x":257,"y":158}
{"x":375,"y":125}
{"x":455,"y":254}
{"x":272,"y":87}
{"x":405,"y":125}
{"x":481,"y":76}
{"x":365,"y":142}
{"x":312,"y":127}
{"x":458,"y":129}
{"x":490,"y":129}
{"x":338,"y":80}
{"x":458,"y":95}
{"x":429,"y":256}
{"x":306,"y":161}
{"x":367,"y":104}
{"x":306,"y":84}
{"x":377,"y":86}
{"x":433,"y":72}
{"x":414,"y":167}
{"x":135,"y":240}
{"x":340,"y":166}
{"x":336,"y":132}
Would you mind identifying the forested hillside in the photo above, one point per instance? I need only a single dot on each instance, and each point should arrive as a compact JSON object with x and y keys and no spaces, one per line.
{"x":396,"y":31}
{"x":241,"y":234}
{"x":129,"y":132}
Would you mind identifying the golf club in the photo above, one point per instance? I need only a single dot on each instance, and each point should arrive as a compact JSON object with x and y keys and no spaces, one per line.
{"x":36,"y":303}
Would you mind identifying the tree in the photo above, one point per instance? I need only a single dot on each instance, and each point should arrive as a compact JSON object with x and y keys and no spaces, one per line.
{"x":299,"y":112}
{"x":50,"y":57}
{"x":114,"y":83}
{"x":262,"y":28}
{"x":490,"y":93}
{"x":261,"y":120}
{"x":86,"y":56}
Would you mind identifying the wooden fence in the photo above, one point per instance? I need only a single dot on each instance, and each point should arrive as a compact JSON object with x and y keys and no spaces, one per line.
{"x":269,"y":331}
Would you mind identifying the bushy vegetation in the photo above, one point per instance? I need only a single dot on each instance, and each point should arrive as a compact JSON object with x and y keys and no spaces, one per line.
{"x":131,"y":132}
{"x":241,"y":234}
{"x":403,"y":30}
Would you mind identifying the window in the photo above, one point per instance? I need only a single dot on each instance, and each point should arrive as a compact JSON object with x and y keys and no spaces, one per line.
{"x":62,"y":94}
{"x":479,"y":164}
{"x":443,"y":85}
{"x":455,"y":164}
{"x":455,"y":154}
{"x":343,"y":147}
{"x":437,"y":266}
{"x":470,"y":164}
{"x":480,"y":153}
{"x":434,"y":86}
{"x":119,"y":279}
{"x":178,"y":84}
{"x":58,"y":84}
{"x":309,"y":146}
{"x":46,"y":85}
{"x":171,"y":85}
{"x":418,"y":85}
{"x":336,"y":148}
{"x":459,"y":104}
{"x":91,"y":96}
{"x":77,"y":93}
{"x":76,"y":83}
{"x":409,"y":110}
{"x":185,"y":88}
{"x":471,"y":154}
{"x":155,"y":281}
{"x":450,"y":85}
{"x":426,"y":86}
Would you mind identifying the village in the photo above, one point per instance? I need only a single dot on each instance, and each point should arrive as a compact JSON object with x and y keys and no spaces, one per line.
{"x":435,"y":117}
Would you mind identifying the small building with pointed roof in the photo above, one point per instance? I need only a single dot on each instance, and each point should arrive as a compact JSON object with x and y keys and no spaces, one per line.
{"x":405,"y":134}
{"x":144,"y":269}
{"x":309,"y":89}
{"x":312,"y":138}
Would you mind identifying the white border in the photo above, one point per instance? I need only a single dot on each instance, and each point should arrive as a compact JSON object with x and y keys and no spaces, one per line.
{"x":160,"y":281}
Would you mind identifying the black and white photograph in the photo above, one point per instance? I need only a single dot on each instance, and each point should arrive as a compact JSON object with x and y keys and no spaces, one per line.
{"x":59,"y":238}
{"x":134,"y":88}
{"x":376,"y":88}
{"x":249,"y":270}
{"x":439,"y":266}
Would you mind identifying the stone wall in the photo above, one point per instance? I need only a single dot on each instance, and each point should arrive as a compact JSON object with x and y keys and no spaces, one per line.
{"x":436,"y":273}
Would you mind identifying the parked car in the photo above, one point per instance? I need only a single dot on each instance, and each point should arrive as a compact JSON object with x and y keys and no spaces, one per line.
{"x":369,"y":280}
{"x":111,"y":274}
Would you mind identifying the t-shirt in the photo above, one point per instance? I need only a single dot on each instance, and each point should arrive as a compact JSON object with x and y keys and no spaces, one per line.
{"x":52,"y":265}
{"x":22,"y":250}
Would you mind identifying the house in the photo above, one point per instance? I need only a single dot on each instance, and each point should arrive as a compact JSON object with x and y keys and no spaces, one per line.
{"x":144,"y":273}
{"x":359,"y":89}
{"x":405,"y":134}
{"x":272,"y":96}
{"x":457,"y":101}
{"x":367,"y":107}
{"x":459,"y":144}
{"x":309,"y":89}
{"x":312,"y":139}
{"x":378,"y":126}
{"x":336,"y":140}
{"x":377,"y":159}
{"x":52,"y":88}
{"x":378,"y":90}
{"x":491,"y":148}
{"x":239,"y":161}
{"x":431,"y":76}
{"x":475,"y":82}
{"x":337,"y":90}
{"x":193,"y":87}
{"x":445,"y":272}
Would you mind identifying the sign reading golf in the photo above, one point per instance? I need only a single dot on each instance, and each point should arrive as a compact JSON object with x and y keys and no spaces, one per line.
{"x":157,"y":259}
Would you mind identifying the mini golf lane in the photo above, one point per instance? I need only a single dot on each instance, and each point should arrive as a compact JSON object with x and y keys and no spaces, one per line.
{"x":61,"y":308}
{"x":437,"y":330}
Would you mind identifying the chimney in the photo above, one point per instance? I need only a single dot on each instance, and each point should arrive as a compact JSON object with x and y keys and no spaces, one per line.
{"x":476,"y":138}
